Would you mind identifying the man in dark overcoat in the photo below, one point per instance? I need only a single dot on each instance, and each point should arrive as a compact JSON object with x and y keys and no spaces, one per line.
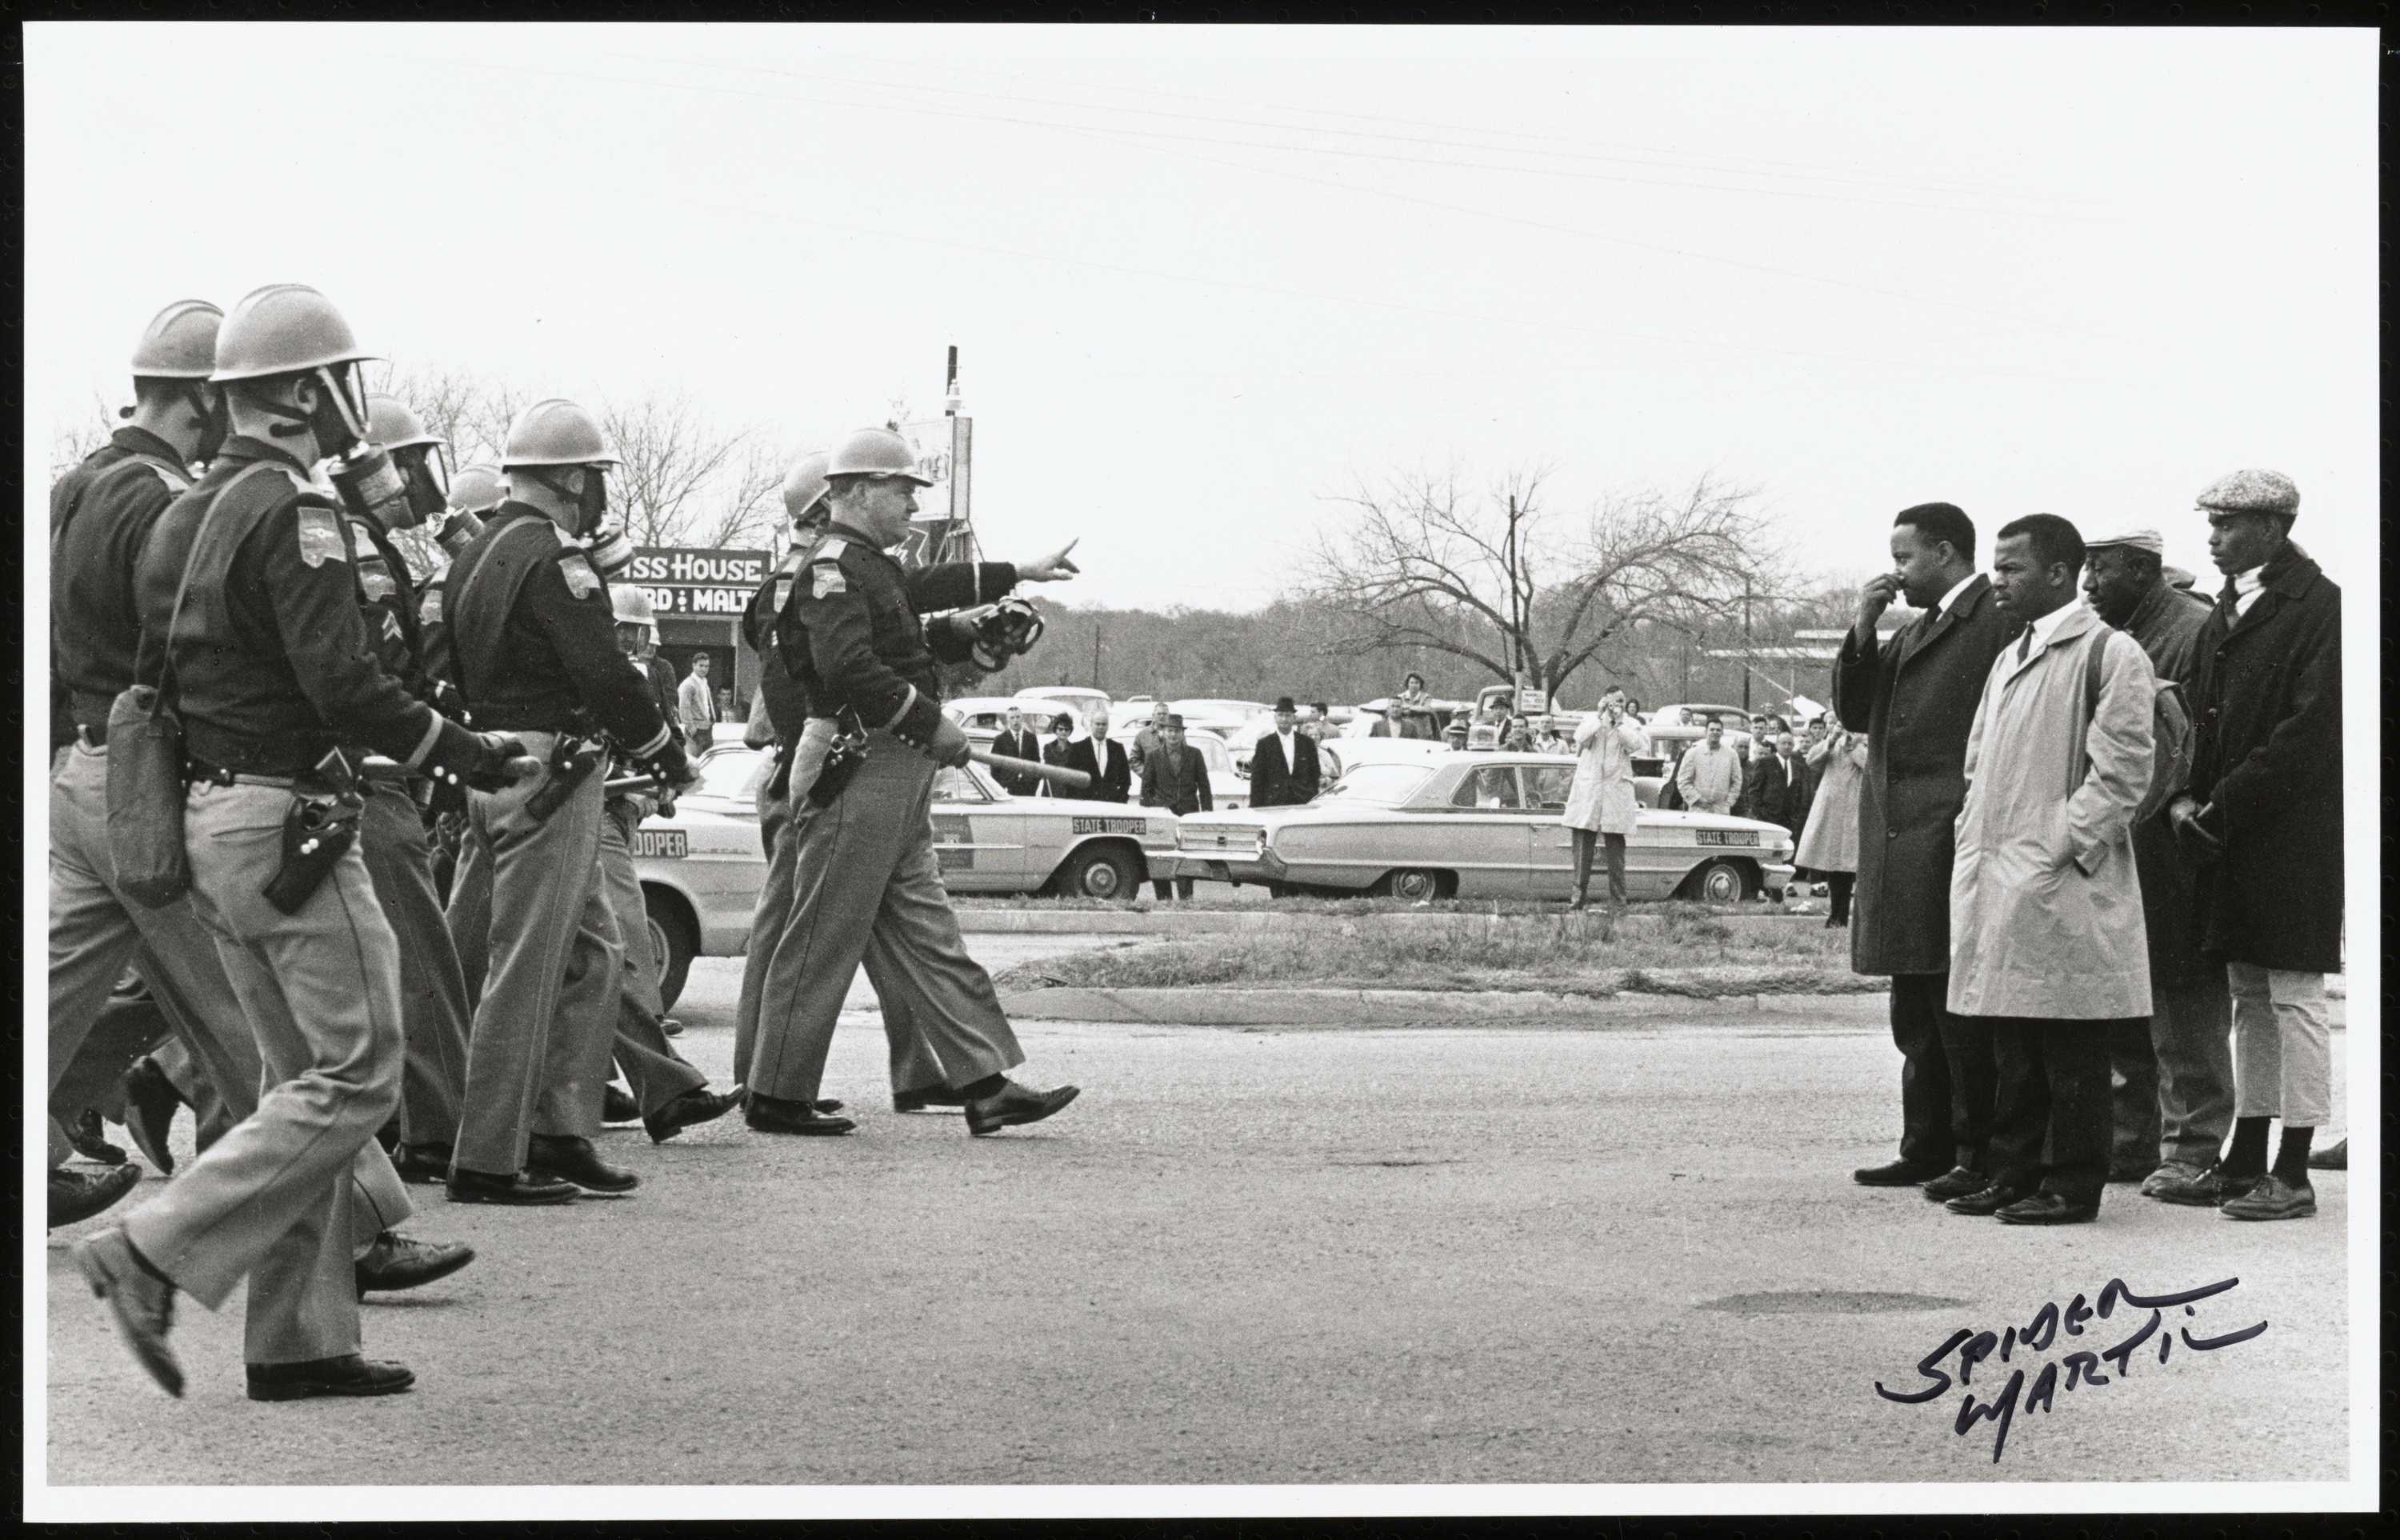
{"x":2263,"y":815}
{"x":1915,"y":696}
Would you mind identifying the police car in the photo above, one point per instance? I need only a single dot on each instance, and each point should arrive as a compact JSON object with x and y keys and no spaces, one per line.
{"x":701,"y":869}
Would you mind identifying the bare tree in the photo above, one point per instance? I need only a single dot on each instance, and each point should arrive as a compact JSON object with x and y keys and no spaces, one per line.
{"x":681,"y":481}
{"x":78,"y":432}
{"x":1501,"y":583}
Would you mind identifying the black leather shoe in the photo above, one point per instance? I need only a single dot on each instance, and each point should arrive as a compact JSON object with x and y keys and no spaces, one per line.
{"x":1957,"y":1183}
{"x":2049,"y":1209}
{"x":349,"y":1375}
{"x":151,"y":1103}
{"x":395,"y":1263}
{"x":618,"y":1106}
{"x":141,"y":1303}
{"x":2333,"y":1157}
{"x":75,"y":1197}
{"x":1012,"y":1106}
{"x":670,"y":1026}
{"x":1984,"y":1205}
{"x":696,"y":1106}
{"x":573,"y":1159}
{"x":424,"y":1164}
{"x":926,"y":1100}
{"x":520,"y":1187}
{"x":774,"y":1115}
{"x":1900,"y":1173}
{"x":91,"y":1140}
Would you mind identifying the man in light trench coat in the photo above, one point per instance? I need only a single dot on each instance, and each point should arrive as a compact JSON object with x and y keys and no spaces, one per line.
{"x":2047,"y":943}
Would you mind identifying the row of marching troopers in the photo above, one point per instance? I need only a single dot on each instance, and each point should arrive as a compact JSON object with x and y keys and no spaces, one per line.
{"x":296,"y":708}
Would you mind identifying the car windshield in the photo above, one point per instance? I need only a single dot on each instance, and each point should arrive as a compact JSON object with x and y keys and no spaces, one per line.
{"x":1212,"y":752}
{"x":1388,"y":785}
{"x":732,"y":774}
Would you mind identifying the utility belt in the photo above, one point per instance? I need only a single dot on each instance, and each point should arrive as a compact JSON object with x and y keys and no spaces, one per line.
{"x":526,"y":716}
{"x":291,"y":756}
{"x":319,"y":825}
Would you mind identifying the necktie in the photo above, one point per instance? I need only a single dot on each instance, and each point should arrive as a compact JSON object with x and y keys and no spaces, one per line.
{"x":2025,"y":645}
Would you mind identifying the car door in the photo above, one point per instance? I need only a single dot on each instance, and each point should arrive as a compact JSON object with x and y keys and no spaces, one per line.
{"x":978,"y":840}
{"x":1551,"y":873}
{"x":1485,"y":834}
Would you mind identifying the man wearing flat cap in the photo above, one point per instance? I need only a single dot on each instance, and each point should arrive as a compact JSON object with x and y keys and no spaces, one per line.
{"x":2173,"y":1080}
{"x":2262,"y":817}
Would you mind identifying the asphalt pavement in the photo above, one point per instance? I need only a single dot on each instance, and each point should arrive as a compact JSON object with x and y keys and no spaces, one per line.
{"x":1615,"y":1253}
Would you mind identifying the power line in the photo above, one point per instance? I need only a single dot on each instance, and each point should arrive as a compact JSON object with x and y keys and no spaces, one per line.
{"x":1364,"y":133}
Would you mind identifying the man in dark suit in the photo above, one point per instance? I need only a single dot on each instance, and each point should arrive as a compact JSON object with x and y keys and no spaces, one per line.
{"x":1015,"y":742}
{"x":1915,"y":697}
{"x":1283,"y":767}
{"x":1106,"y":761}
{"x":1766,"y":784}
{"x":1176,"y":779}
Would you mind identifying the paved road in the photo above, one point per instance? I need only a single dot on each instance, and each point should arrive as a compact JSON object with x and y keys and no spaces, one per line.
{"x":1418,"y":1256}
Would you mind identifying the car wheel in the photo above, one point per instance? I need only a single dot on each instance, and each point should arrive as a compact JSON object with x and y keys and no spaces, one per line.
{"x":1718,"y":881}
{"x":671,"y":942}
{"x":1100,"y":871}
{"x":1414,"y":884}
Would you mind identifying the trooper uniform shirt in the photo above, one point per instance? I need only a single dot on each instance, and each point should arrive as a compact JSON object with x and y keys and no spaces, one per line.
{"x":850,"y":635}
{"x":533,"y":641}
{"x":788,"y":700}
{"x":274,"y":666}
{"x":389,"y":604}
{"x":102,"y":513}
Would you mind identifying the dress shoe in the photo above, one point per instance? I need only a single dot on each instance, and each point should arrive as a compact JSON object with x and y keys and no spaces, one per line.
{"x":618,"y":1106}
{"x":573,"y":1159}
{"x":2195,"y":1186}
{"x":396,"y":1262}
{"x":774,"y":1115}
{"x":1900,"y":1173}
{"x":142,"y":1303}
{"x":2333,"y":1157}
{"x":670,"y":1026}
{"x":347,"y":1376}
{"x":91,"y":1140}
{"x":2049,"y":1209}
{"x":2272,"y":1198}
{"x":1012,"y":1106}
{"x":516,"y":1187}
{"x":1984,"y":1205}
{"x":151,"y":1103}
{"x":75,"y":1197}
{"x":424,"y":1164}
{"x":926,"y":1100}
{"x":696,"y":1106}
{"x":1957,"y":1183}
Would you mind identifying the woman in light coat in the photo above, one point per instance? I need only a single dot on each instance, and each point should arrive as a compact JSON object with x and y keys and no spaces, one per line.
{"x":1602,"y":805}
{"x":1829,"y":846}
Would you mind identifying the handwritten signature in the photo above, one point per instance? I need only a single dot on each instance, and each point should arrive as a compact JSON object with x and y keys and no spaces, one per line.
{"x":2083,"y":1367}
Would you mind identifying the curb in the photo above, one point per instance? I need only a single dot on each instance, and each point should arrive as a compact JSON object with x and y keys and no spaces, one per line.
{"x":1434,"y":1008}
{"x":998,"y":921}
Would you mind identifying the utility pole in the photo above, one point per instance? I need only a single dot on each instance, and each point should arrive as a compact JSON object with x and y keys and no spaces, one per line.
{"x":1096,"y":653}
{"x":1745,"y":646}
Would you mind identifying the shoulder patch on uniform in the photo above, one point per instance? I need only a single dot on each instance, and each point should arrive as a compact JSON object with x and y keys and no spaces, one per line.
{"x":829,"y":580}
{"x":321,"y":535}
{"x":582,"y":580}
{"x":428,"y":608}
{"x":831,"y":549}
{"x":361,"y":543}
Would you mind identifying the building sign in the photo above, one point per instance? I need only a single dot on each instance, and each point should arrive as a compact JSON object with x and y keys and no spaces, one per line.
{"x":681,"y":580}
{"x":945,"y":451}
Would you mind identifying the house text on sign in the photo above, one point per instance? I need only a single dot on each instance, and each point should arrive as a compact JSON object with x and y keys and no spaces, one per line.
{"x":663,"y":568}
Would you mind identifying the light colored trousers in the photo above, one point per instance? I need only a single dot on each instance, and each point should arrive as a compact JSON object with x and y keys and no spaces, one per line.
{"x":276,"y":1200}
{"x":866,"y":888}
{"x":213,"y":1058}
{"x":2282,"y":1045}
{"x":655,"y":1074}
{"x":914,"y":1068}
{"x":538,"y":1055}
{"x":433,"y":1009}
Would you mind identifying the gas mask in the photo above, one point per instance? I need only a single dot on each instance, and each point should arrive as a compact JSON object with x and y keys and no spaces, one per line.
{"x":339,"y":418}
{"x":459,"y":532}
{"x":592,"y":503}
{"x":425,"y":470}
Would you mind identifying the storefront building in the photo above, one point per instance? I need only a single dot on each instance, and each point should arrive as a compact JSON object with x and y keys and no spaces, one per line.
{"x":700,"y":596}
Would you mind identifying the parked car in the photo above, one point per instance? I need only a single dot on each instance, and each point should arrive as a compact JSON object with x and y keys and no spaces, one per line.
{"x":701,"y":869}
{"x":989,"y":712}
{"x":1226,"y":789}
{"x":1082,"y":698}
{"x":1472,"y":825}
{"x":1335,"y":756}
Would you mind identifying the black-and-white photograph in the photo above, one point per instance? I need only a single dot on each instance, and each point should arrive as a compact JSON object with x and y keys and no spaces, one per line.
{"x":817,"y":771}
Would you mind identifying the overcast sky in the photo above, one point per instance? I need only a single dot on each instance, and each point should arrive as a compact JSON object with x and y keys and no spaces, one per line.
{"x":1201,"y":280}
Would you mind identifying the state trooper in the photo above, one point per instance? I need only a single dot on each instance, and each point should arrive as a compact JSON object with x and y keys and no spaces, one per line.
{"x":867,"y":879}
{"x":474,"y":493}
{"x":103,"y":515}
{"x":669,"y":1092}
{"x":250,"y":609}
{"x":800,"y":740}
{"x":392,"y":829}
{"x":534,"y":654}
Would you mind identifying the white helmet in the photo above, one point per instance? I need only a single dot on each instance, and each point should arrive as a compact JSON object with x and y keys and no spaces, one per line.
{"x":875,"y":452}
{"x":632,"y":606}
